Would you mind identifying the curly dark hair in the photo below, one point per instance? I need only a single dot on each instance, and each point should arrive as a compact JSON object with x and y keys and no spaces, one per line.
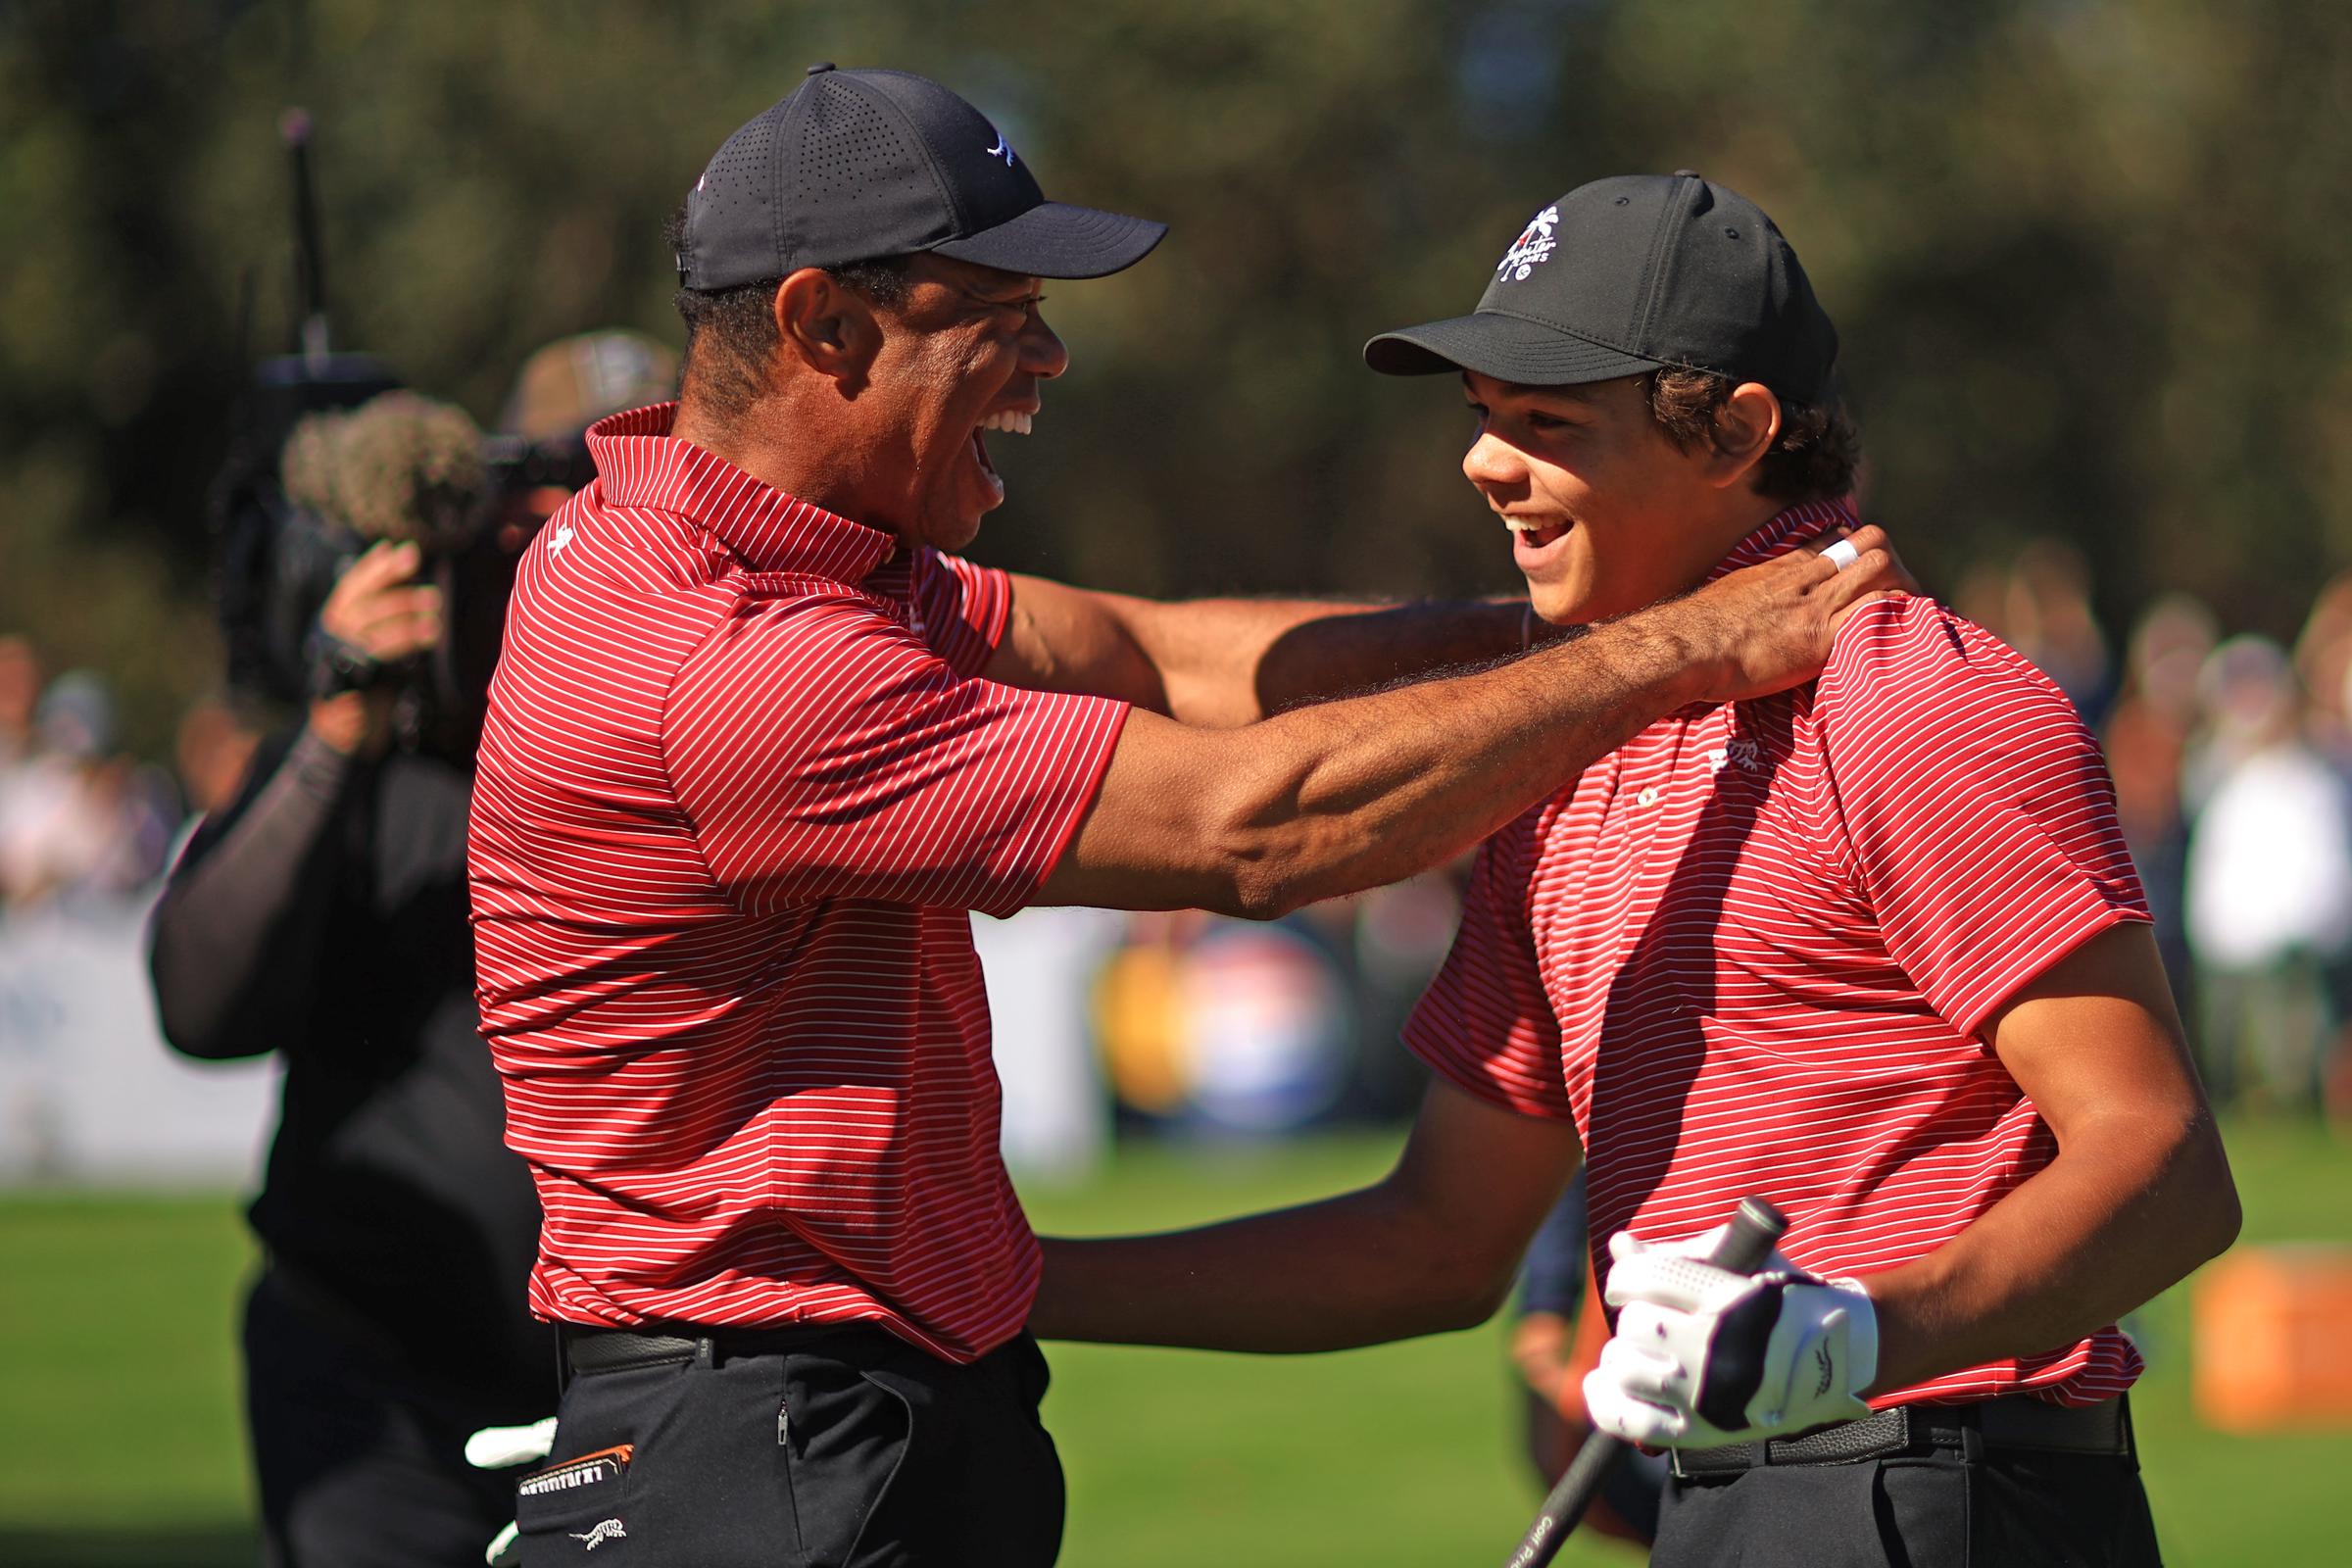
{"x":731,"y":331}
{"x":1813,"y":459}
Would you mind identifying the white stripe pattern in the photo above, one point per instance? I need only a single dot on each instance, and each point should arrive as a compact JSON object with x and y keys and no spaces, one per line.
{"x":1748,"y":952}
{"x":739,"y":787}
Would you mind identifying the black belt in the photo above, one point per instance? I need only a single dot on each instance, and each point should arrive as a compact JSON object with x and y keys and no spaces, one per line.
{"x":589,"y":1350}
{"x":2013,"y":1421}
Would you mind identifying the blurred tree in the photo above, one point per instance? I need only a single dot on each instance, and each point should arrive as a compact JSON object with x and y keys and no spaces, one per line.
{"x":2083,"y":253}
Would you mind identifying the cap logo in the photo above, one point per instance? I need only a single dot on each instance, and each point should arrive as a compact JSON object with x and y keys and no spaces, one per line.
{"x":1002,"y":150}
{"x":1532,"y":248}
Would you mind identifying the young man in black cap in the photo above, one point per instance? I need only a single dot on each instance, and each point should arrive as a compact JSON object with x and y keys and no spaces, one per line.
{"x":758,"y":744}
{"x":1868,"y":948}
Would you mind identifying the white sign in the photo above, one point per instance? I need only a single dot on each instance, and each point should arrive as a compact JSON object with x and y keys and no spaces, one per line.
{"x":90,"y":1093}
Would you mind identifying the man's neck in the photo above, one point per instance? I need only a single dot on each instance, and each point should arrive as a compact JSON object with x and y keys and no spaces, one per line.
{"x":804,"y":464}
{"x":1740,"y":518}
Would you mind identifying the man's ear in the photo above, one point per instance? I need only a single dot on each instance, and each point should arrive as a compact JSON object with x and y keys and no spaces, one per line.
{"x":1745,"y":428}
{"x":827,"y":327}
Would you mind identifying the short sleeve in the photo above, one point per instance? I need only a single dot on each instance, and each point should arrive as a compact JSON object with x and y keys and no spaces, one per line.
{"x":821,"y":751}
{"x":1978,"y":811}
{"x":1485,"y":1022}
{"x":963,"y":609}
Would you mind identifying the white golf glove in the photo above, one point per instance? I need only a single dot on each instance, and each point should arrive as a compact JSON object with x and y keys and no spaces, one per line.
{"x":1703,"y":1356}
{"x":500,"y":1448}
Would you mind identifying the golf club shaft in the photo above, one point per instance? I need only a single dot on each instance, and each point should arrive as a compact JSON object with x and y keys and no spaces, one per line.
{"x":1754,"y":1228}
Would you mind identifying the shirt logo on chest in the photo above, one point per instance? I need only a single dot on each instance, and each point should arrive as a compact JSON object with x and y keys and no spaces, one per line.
{"x":1739,"y":752}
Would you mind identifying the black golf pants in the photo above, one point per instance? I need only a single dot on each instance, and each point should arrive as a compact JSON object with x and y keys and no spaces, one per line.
{"x":842,"y":1449}
{"x":2005,"y":1509}
{"x":357,"y":1464}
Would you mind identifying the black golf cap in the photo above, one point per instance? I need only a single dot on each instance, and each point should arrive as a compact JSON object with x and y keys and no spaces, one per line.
{"x":855,"y":166}
{"x":1630,"y":274}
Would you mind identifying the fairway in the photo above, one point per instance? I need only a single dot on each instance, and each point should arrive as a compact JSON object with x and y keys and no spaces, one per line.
{"x":122,"y":1446}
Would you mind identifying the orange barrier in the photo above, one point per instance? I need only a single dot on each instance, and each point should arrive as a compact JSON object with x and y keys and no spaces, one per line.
{"x":2273,"y":1338}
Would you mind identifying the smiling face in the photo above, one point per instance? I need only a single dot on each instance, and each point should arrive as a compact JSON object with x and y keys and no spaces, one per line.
{"x":963,"y":356}
{"x":1607,"y":514}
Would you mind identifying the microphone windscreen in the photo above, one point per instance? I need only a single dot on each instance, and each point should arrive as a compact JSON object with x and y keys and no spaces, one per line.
{"x":400,"y":467}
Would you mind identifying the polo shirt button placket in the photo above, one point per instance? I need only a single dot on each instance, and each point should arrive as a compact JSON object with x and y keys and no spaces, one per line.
{"x":1648,"y":797}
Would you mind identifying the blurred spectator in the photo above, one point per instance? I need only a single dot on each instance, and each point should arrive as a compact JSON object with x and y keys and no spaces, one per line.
{"x":2048,"y":616}
{"x":212,"y":747}
{"x":2268,"y":882}
{"x":1983,"y":596}
{"x":75,"y":821}
{"x":2324,"y":662}
{"x":1556,"y":1340}
{"x":2147,"y":746}
{"x":20,"y":692}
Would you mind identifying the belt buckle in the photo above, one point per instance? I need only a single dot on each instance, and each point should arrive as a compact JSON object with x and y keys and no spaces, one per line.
{"x":1752,"y":1454}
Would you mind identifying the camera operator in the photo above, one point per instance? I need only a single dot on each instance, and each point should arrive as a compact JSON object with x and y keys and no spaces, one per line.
{"x":323,"y":915}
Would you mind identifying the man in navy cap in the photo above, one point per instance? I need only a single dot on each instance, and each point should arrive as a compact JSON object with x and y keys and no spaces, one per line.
{"x":759,"y":742}
{"x":1868,"y":948}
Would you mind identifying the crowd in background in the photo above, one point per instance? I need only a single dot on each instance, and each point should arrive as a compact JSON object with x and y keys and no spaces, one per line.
{"x":78,"y":818}
{"x":2232,"y":763}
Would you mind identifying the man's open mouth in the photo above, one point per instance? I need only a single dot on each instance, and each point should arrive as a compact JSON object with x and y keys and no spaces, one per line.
{"x":1534,"y":532}
{"x":1011,"y":421}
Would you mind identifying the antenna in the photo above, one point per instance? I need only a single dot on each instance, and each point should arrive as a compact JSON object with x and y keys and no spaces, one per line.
{"x":310,"y":255}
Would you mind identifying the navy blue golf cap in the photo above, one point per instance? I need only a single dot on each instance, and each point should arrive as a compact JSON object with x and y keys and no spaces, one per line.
{"x":1630,"y":274}
{"x":855,"y":166}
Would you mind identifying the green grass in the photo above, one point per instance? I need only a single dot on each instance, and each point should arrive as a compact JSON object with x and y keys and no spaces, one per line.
{"x":120,"y":1446}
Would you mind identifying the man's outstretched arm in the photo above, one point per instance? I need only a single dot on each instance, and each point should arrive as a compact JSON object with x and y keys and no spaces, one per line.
{"x":2138,"y":1195}
{"x":1431,"y":1248}
{"x":1335,"y":797}
{"x":1226,"y":662}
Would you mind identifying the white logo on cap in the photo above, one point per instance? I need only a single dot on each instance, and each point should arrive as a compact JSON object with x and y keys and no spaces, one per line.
{"x":1534,"y":245}
{"x":1002,"y":150}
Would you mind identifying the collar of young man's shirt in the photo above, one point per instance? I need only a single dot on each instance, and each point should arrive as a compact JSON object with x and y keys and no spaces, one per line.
{"x":640,"y":463}
{"x":1785,"y":532}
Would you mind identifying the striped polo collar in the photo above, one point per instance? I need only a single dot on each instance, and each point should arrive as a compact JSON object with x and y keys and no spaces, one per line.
{"x":640,"y":463}
{"x":1785,"y":532}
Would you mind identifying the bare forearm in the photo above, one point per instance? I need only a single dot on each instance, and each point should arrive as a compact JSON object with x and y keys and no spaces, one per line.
{"x":1361,"y":793}
{"x":2127,"y":1210}
{"x":1349,"y":1271}
{"x":1333,"y":797}
{"x":1228,"y":662}
{"x":1340,"y":796}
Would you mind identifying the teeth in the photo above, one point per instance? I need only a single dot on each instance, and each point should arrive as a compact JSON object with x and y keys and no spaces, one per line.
{"x":1522,"y":524}
{"x":1008,"y":421}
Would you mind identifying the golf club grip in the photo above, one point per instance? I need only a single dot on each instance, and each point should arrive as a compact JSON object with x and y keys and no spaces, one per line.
{"x":1755,"y":1228}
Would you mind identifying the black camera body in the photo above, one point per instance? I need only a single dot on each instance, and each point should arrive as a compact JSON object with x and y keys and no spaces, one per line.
{"x":280,"y":558}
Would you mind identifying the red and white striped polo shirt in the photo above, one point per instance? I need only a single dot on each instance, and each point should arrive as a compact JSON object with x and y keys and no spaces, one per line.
{"x":1749,"y":953}
{"x":739,"y":787}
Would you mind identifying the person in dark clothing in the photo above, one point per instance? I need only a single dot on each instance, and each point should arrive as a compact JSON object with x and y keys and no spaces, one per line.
{"x":1556,"y":1341}
{"x":321,"y":916}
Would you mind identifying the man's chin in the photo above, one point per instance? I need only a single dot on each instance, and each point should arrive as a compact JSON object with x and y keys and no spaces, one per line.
{"x":1558,"y":606}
